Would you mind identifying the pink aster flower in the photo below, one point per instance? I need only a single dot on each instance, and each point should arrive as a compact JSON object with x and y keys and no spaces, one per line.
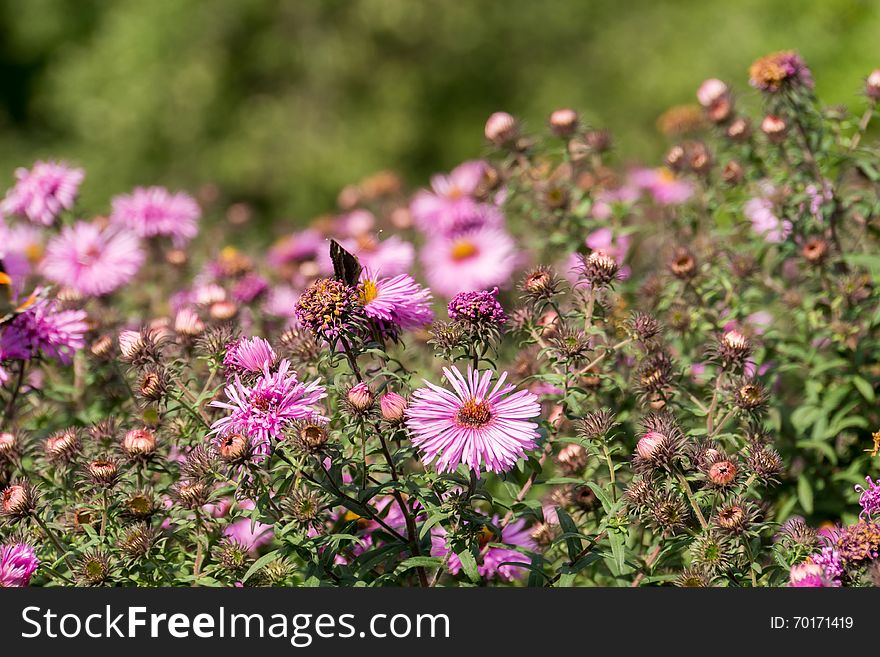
{"x":493,"y":560}
{"x":41,"y":193}
{"x":154,"y":211}
{"x":397,"y":301}
{"x":761,"y":213}
{"x":663,"y":185}
{"x":472,"y":424}
{"x":263,"y":410}
{"x":18,"y":562}
{"x":91,"y":260}
{"x":476,"y":260}
{"x":42,"y":330}
{"x":281,"y":302}
{"x":248,"y":355}
{"x":297,"y":247}
{"x":21,"y":249}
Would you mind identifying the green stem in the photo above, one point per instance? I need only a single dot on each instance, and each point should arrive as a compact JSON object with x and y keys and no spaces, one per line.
{"x":690,"y":495}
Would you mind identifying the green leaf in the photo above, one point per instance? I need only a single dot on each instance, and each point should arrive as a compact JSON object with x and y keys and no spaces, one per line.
{"x":469,"y":565}
{"x":420,"y":562}
{"x":865,"y":388}
{"x":805,"y":494}
{"x":259,"y":563}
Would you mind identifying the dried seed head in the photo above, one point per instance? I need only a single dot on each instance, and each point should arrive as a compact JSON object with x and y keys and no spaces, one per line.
{"x":137,"y":541}
{"x":815,"y":250}
{"x":570,"y":344}
{"x":311,"y":435}
{"x":732,"y":173}
{"x":199,"y":463}
{"x":640,"y":494}
{"x":93,"y":568}
{"x":598,"y":141}
{"x":668,"y":513}
{"x":764,"y":462}
{"x":683,"y":264}
{"x":540,"y":283}
{"x":140,"y":348}
{"x":104,"y":431}
{"x":722,"y":473}
{"x":190,"y":494}
{"x":712,"y":551}
{"x":732,"y":349}
{"x":232,"y":556}
{"x":749,"y":396}
{"x":597,"y":425}
{"x":693,"y":578}
{"x":644,"y":327}
{"x":598,"y":268}
{"x":736,"y":516}
{"x":103,"y":472}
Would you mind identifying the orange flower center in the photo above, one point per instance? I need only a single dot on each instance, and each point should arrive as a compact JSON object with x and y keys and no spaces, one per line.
{"x":462,"y":250}
{"x":474,"y":413}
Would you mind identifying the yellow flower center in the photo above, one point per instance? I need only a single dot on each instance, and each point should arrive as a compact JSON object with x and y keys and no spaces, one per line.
{"x":462,"y":250}
{"x":369,"y":291}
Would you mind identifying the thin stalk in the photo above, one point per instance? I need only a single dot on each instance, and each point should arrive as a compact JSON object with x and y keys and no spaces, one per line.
{"x":690,"y":495}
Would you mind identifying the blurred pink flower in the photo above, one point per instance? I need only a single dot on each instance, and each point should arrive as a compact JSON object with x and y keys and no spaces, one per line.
{"x":388,"y":257}
{"x":476,"y":260}
{"x":493,"y":560}
{"x":397,"y":301}
{"x":41,"y":193}
{"x":91,"y":260}
{"x":663,"y":185}
{"x":154,"y":211}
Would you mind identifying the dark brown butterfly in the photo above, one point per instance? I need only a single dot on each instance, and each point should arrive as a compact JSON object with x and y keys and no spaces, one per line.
{"x":345,"y":266}
{"x":8,"y":309}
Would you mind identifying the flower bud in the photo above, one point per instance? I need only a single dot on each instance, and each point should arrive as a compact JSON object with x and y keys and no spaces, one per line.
{"x":360,"y":397}
{"x":17,"y":501}
{"x":501,"y":128}
{"x":139,"y":443}
{"x":815,"y":250}
{"x":572,"y":459}
{"x":564,"y":122}
{"x":722,"y":473}
{"x":8,"y":445}
{"x":739,"y":130}
{"x":711,"y":91}
{"x":393,"y":406}
{"x":222,"y":311}
{"x":62,"y":446}
{"x":102,"y":347}
{"x":599,"y":268}
{"x":774,"y":128}
{"x":233,"y":448}
{"x":649,"y":444}
{"x":732,"y":173}
{"x":872,"y":85}
{"x":683,"y":264}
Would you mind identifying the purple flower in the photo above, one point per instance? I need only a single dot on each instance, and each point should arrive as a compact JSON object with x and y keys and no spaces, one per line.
{"x":42,"y":330}
{"x":154,"y":211}
{"x":18,"y":562}
{"x":663,"y":185}
{"x":397,"y":301}
{"x":249,"y":287}
{"x":472,"y":424}
{"x":477,"y":308}
{"x":43,"y":192}
{"x":807,"y":575}
{"x":91,"y":260}
{"x":869,"y":497}
{"x":263,"y":410}
{"x":829,"y":560}
{"x":248,"y":355}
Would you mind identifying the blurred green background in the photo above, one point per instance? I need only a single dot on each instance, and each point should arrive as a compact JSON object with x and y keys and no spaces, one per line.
{"x":281,"y":103}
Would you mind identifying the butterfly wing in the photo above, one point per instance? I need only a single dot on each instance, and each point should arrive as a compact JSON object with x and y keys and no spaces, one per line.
{"x":345,"y":266}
